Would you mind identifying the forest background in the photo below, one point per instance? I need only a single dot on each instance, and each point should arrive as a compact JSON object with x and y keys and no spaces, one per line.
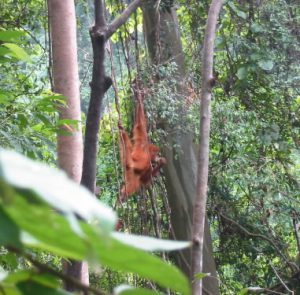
{"x":253,"y":198}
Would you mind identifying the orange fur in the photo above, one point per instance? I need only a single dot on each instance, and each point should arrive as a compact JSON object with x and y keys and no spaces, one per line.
{"x":139,"y":158}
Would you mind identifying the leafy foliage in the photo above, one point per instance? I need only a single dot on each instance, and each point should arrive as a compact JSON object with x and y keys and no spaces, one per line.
{"x":27,"y":110}
{"x":255,"y":160}
{"x":31,"y":190}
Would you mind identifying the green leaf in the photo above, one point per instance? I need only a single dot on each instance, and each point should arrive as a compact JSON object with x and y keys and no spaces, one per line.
{"x":256,"y":28}
{"x":129,"y":290}
{"x":46,"y":225}
{"x":5,"y":97}
{"x":42,"y":226}
{"x":266,"y":65}
{"x":9,"y":233}
{"x":33,"y":288}
{"x":149,"y":243}
{"x":22,"y":120}
{"x":252,"y":290}
{"x":243,"y":291}
{"x":46,"y":280}
{"x":242,"y":73}
{"x":31,"y":283}
{"x":5,"y":55}
{"x":11,"y":36}
{"x":241,"y":14}
{"x":9,"y":260}
{"x":55,"y":188}
{"x":145,"y":265}
{"x":16,"y":277}
{"x":34,"y":189}
{"x":201,"y":275}
{"x":17,"y":51}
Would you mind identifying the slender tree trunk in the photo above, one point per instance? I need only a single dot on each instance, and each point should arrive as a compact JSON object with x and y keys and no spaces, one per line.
{"x":66,"y":81}
{"x":205,"y":114}
{"x":164,"y":44}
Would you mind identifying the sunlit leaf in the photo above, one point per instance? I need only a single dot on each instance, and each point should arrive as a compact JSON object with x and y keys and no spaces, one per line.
{"x":201,"y":275}
{"x":256,"y":28}
{"x":17,"y":51}
{"x":251,"y":289}
{"x":149,"y":243}
{"x":28,"y":195}
{"x":266,"y":65}
{"x":125,"y":258}
{"x":11,"y":36}
{"x":241,"y":14}
{"x":129,"y":290}
{"x":242,"y":73}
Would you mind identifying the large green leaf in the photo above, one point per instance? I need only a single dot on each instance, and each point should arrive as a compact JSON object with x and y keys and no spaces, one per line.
{"x":27,"y":200}
{"x":55,"y":188}
{"x":47,"y":229}
{"x":122,"y":257}
{"x":46,"y":225}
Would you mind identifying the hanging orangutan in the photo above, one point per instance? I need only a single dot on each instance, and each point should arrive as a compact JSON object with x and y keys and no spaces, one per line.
{"x":139,"y":158}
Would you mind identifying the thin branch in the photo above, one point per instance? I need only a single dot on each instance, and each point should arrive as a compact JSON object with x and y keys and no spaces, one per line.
{"x":67,"y":279}
{"x":295,"y":227}
{"x":281,"y":280}
{"x":273,"y":292}
{"x":121,"y":20}
{"x":263,"y":237}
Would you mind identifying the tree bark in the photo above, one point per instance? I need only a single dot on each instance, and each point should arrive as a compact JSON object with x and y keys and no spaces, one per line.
{"x":203,"y":160}
{"x":99,"y":33}
{"x":164,"y":45}
{"x":66,"y":81}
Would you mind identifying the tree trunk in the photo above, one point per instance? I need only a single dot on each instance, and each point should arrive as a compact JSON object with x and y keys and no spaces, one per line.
{"x":164,"y":44}
{"x":66,"y":81}
{"x":203,"y":160}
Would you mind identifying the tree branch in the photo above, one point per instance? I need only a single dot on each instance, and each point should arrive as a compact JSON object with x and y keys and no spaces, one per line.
{"x":99,"y":13}
{"x":281,"y":280}
{"x":295,"y":226}
{"x":263,"y":237}
{"x":65,"y":278}
{"x":121,"y":20}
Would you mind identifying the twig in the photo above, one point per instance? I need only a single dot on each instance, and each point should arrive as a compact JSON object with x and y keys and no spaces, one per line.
{"x":295,"y":226}
{"x":281,"y":280}
{"x":67,"y":279}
